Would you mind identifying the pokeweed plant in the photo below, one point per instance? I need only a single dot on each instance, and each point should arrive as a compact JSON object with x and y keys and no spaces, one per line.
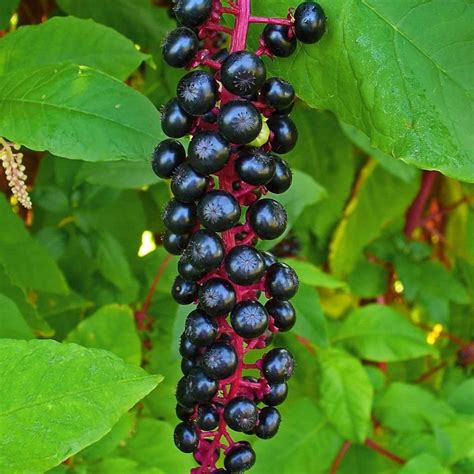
{"x":237,"y":118}
{"x":369,"y":102}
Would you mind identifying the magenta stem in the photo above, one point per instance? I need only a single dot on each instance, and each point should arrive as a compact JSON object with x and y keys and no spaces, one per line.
{"x":270,"y":21}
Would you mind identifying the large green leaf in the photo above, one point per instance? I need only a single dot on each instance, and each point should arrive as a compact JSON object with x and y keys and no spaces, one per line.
{"x":6,"y":11}
{"x":423,"y":464}
{"x":379,"y":200}
{"x":306,"y":443}
{"x":409,"y":408}
{"x":378,"y":332}
{"x":346,"y":393}
{"x":310,"y":320}
{"x":139,"y":20}
{"x":12,"y":324}
{"x":56,"y":399}
{"x":399,"y":71}
{"x":461,"y":399}
{"x":69,"y":40}
{"x":111,"y":328}
{"x":312,"y":275}
{"x":77,"y":112}
{"x":27,"y":263}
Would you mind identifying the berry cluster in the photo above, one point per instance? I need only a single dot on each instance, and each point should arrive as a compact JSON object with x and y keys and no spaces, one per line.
{"x":237,"y":118}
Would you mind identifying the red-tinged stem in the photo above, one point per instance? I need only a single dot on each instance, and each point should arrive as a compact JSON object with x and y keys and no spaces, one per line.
{"x":270,"y":21}
{"x":370,"y":443}
{"x":229,"y":10}
{"x":415,"y":211}
{"x":241,"y":27}
{"x":429,"y":373}
{"x":223,"y":29}
{"x":339,"y":457}
{"x":211,"y":63}
{"x":456,"y":340}
{"x":154,"y":284}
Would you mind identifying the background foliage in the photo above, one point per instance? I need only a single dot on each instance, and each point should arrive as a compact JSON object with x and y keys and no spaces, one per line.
{"x":384,"y":336}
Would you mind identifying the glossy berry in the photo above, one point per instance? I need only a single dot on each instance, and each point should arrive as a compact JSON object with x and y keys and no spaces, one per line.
{"x":277,"y":394}
{"x":255,"y":166}
{"x":186,"y":348}
{"x":239,"y":121}
{"x":268,"y":258}
{"x":218,"y":211}
{"x":268,"y":218}
{"x":207,"y":417}
{"x":217,"y":297}
{"x":187,"y":365}
{"x":283,"y":314}
{"x":243,"y":73}
{"x":240,"y":458}
{"x":282,"y":281}
{"x":179,"y":217}
{"x":310,"y":22}
{"x":278,"y":41}
{"x":188,"y":271}
{"x":200,"y":329}
{"x":175,"y":243}
{"x":282,"y":178}
{"x":197,"y":92}
{"x":278,"y":365}
{"x":183,"y":396}
{"x":205,"y":250}
{"x":183,"y":413}
{"x":268,"y":423}
{"x":184,"y":291}
{"x":285,"y":134}
{"x":219,"y":361}
{"x":201,"y":387}
{"x":192,"y":13}
{"x":188,"y":185}
{"x":244,"y":265}
{"x":167,"y":155}
{"x":241,"y":414}
{"x":249,"y":319}
{"x":185,"y":437}
{"x":179,"y":47}
{"x":208,"y":152}
{"x":278,"y":93}
{"x":175,"y":121}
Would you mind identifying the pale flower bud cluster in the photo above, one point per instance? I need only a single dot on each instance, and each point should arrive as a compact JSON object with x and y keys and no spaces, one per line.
{"x":15,"y":172}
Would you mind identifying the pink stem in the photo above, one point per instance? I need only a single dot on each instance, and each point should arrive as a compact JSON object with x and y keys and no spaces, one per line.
{"x":270,"y":21}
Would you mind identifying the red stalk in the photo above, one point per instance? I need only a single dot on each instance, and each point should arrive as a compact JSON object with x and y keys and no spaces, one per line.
{"x":370,"y":443}
{"x":339,"y":457}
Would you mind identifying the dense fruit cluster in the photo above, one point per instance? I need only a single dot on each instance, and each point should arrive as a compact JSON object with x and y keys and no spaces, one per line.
{"x":237,"y":118}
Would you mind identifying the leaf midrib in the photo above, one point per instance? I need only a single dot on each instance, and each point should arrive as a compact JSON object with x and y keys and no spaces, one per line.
{"x":71,"y":109}
{"x":79,"y":392}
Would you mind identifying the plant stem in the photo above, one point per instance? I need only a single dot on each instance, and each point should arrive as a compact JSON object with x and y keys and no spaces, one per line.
{"x":270,"y":21}
{"x":339,"y":457}
{"x":415,"y":211}
{"x":161,"y":269}
{"x":370,"y":443}
{"x":425,"y":376}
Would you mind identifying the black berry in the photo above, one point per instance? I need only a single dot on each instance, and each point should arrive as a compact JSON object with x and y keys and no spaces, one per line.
{"x":278,"y":93}
{"x":179,"y":47}
{"x":277,"y":394}
{"x":282,"y":281}
{"x":282,"y":178}
{"x":283,"y":314}
{"x":201,"y":386}
{"x":179,"y":217}
{"x":249,"y":319}
{"x":255,"y":166}
{"x":217,"y":297}
{"x":241,"y":414}
{"x":207,"y":417}
{"x":175,"y":121}
{"x":278,"y":365}
{"x":208,"y":152}
{"x":285,"y":134}
{"x":268,"y":423}
{"x":219,"y":361}
{"x":239,"y":458}
{"x":167,"y":155}
{"x":268,"y":218}
{"x":239,"y":121}
{"x":185,"y":437}
{"x":205,"y":250}
{"x":192,"y":13}
{"x":244,"y":265}
{"x":218,"y":211}
{"x":310,"y":22}
{"x":200,"y":329}
{"x":278,"y":40}
{"x":197,"y":92}
{"x":187,"y":185}
{"x":184,"y":291}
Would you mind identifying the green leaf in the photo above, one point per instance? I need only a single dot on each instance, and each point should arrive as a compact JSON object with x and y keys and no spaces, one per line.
{"x":122,"y":466}
{"x":27,"y":263}
{"x":118,"y":174}
{"x":379,"y":333}
{"x":7,"y":9}
{"x":304,"y":427}
{"x":461,"y":399}
{"x":409,"y":408}
{"x":153,"y":446}
{"x":310,"y":320}
{"x":361,"y":460}
{"x":325,"y":153}
{"x":62,"y":40}
{"x":368,"y":279}
{"x":294,"y":201}
{"x":146,"y":25}
{"x":346,"y":393}
{"x":379,"y":200}
{"x":120,"y":432}
{"x":423,"y":464}
{"x":313,"y":276}
{"x":113,"y":264}
{"x":405,"y":85}
{"x":78,"y":113}
{"x":111,"y":328}
{"x":12,"y":324}
{"x":56,"y":399}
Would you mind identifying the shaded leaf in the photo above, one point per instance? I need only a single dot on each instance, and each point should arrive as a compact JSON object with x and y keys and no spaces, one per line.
{"x":12,"y":324}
